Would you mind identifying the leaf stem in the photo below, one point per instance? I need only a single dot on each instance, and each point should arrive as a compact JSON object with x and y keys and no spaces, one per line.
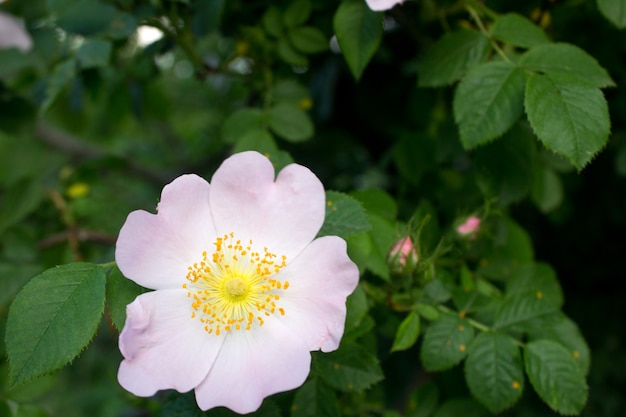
{"x":107,"y":265}
{"x":482,"y":28}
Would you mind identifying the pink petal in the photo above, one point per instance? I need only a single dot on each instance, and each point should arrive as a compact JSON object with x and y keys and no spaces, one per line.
{"x":379,"y":5}
{"x":283,"y":216}
{"x":320,"y":279}
{"x":163,"y":347}
{"x":253,"y":365}
{"x":155,"y":250}
{"x":13,"y":35}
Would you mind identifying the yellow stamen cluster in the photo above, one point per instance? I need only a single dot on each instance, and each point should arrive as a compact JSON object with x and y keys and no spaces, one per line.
{"x":234,"y":287}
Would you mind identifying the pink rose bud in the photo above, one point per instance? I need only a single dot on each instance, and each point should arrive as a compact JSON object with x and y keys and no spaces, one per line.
{"x":403,"y":253}
{"x":470,"y":227}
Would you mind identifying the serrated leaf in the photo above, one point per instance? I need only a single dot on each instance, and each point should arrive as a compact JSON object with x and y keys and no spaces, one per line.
{"x":554,"y":375}
{"x":517,"y":30}
{"x":290,"y":122}
{"x":488,"y":100}
{"x":94,"y":53}
{"x":614,"y":11}
{"x":451,"y":57}
{"x":350,"y":368}
{"x":566,"y":59}
{"x":566,"y":333}
{"x":53,"y":318}
{"x":547,"y":191}
{"x":569,"y":117}
{"x":61,"y":76}
{"x":120,"y":291}
{"x":344,"y":216}
{"x":536,"y":278}
{"x":524,"y":311}
{"x":427,"y":311}
{"x":407,"y":333}
{"x":240,"y":122}
{"x":308,"y":39}
{"x":315,"y":399}
{"x":494,"y":371}
{"x":359,"y":31}
{"x":377,"y":202}
{"x":297,"y":13}
{"x":445,"y":342}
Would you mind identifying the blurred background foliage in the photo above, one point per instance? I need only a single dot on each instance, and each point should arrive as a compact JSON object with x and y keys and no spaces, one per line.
{"x":98,"y":116}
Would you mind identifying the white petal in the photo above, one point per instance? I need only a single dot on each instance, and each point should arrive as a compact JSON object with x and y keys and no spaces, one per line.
{"x":163,"y":347}
{"x":320,"y":279}
{"x":283,"y":216}
{"x":13,"y":35}
{"x":380,"y":5}
{"x":253,"y":365}
{"x":155,"y":250}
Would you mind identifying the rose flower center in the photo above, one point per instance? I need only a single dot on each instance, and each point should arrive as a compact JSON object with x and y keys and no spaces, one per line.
{"x":234,"y":287}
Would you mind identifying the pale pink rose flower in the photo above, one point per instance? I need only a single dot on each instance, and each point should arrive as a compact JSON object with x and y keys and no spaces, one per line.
{"x":403,"y":251}
{"x":13,"y":35}
{"x":469,"y":227}
{"x":380,"y":5}
{"x":244,"y":291}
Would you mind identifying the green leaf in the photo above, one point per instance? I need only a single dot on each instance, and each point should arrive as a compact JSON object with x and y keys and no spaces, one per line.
{"x":494,"y":371}
{"x":427,"y":311}
{"x":19,"y":200}
{"x":554,"y":374}
{"x":445,"y":342}
{"x":488,"y":100}
{"x":525,"y":310}
{"x":94,"y":53}
{"x":451,"y":57}
{"x":536,"y":278}
{"x":359,"y":31}
{"x":423,"y":402}
{"x":61,"y":76}
{"x":356,"y":306}
{"x":511,"y":247}
{"x":350,"y":368}
{"x":465,"y":407}
{"x":181,"y":405}
{"x":290,"y":91}
{"x":377,"y":202}
{"x":566,"y":59}
{"x":569,"y":117}
{"x":547,"y":191}
{"x":272,"y":21}
{"x":315,"y":399}
{"x":240,"y":122}
{"x":120,"y":291}
{"x":297,"y":13}
{"x":566,"y":333}
{"x":407,"y":333}
{"x":517,"y":30}
{"x":308,"y":39}
{"x":290,"y":122}
{"x":53,"y":318}
{"x":382,"y":237}
{"x":614,"y":11}
{"x":344,"y":216}
{"x":287,"y":53}
{"x":506,"y":167}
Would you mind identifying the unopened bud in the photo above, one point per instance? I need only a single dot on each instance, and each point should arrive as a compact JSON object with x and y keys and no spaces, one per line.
{"x":470,"y":227}
{"x":403,"y":256}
